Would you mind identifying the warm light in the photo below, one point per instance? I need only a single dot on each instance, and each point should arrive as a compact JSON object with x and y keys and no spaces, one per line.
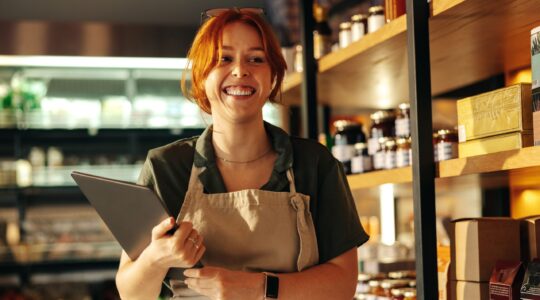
{"x":527,"y":203}
{"x":93,"y":62}
{"x":388,"y":213}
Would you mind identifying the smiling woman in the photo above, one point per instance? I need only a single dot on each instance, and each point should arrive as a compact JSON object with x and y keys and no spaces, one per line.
{"x":267,"y":215}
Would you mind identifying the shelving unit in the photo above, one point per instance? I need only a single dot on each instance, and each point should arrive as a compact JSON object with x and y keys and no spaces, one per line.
{"x":469,"y":41}
{"x":514,"y":160}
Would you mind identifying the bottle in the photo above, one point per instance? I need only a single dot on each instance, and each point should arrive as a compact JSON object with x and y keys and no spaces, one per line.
{"x":345,"y":37}
{"x":358,"y":27}
{"x":322,"y":35}
{"x":376,"y":18}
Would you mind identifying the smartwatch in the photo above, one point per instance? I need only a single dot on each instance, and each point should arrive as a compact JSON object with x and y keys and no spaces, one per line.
{"x":271,"y":286}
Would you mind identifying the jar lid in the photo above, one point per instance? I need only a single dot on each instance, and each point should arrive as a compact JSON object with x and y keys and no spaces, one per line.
{"x":342,"y":124}
{"x":382,"y":140}
{"x":400,"y":141}
{"x":390,"y":143}
{"x":402,"y":274}
{"x":358,"y":17}
{"x":361,"y":146}
{"x":393,"y":283}
{"x":381,"y":115}
{"x":409,"y":293}
{"x":345,"y":25}
{"x":446,"y":132}
{"x":397,"y":292}
{"x":374,"y":283}
{"x":298,"y":48}
{"x":363,"y":276}
{"x":376,"y":9}
{"x":404,"y":106}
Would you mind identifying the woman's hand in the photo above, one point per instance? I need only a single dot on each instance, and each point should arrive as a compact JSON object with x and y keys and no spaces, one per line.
{"x":218,"y":283}
{"x":183,"y":249}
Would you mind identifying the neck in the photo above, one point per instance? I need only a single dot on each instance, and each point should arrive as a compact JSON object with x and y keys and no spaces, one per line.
{"x":240,"y":142}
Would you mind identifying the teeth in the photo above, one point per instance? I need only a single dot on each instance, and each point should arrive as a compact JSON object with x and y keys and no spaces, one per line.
{"x":239,"y":91}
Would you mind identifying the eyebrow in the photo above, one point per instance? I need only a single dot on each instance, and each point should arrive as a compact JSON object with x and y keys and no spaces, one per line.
{"x":250,"y":49}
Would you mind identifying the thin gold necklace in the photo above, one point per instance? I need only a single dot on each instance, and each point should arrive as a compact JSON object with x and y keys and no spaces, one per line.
{"x":247,"y":161}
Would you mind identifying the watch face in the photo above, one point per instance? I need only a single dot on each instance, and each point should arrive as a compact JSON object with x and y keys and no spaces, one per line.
{"x":272,"y":286}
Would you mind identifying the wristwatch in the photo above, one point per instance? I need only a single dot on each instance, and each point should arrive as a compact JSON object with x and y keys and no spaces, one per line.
{"x":271,"y":286}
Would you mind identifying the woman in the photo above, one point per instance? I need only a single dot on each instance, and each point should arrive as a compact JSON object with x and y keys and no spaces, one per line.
{"x":268,"y":215}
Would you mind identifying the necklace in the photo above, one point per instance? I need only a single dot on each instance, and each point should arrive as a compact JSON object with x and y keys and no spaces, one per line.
{"x":247,"y":161}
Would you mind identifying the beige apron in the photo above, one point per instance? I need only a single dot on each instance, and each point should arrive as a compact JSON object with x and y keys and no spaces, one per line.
{"x":250,"y":230}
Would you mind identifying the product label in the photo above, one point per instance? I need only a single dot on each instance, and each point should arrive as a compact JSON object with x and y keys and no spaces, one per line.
{"x":360,"y":164}
{"x":403,"y":158}
{"x":446,"y":150}
{"x":343,"y":153}
{"x":375,"y":22}
{"x":373,"y":146}
{"x":403,"y":127}
{"x":379,"y":160}
{"x":357,"y":31}
{"x":390,"y":160}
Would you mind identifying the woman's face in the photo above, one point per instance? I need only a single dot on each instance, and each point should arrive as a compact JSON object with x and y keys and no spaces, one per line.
{"x":239,"y":85}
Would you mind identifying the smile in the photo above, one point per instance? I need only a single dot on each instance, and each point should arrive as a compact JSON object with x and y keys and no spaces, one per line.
{"x":239,"y":90}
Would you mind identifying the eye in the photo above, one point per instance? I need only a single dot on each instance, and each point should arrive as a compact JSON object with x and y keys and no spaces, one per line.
{"x":225,"y":59}
{"x":257,"y":59}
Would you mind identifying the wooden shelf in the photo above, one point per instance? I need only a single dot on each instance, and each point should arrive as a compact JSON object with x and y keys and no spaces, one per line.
{"x":514,"y":160}
{"x":471,"y":40}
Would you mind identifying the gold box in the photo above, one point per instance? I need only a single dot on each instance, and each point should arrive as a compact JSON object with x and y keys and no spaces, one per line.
{"x":498,"y":143}
{"x":501,"y":111}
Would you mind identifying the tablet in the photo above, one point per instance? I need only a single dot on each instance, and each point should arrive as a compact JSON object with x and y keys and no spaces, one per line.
{"x":130,"y":211}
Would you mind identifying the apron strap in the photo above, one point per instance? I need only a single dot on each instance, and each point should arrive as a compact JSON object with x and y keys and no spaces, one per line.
{"x":292,"y":185}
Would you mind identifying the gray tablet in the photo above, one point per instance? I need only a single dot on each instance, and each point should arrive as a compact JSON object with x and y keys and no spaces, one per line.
{"x":130,"y":211}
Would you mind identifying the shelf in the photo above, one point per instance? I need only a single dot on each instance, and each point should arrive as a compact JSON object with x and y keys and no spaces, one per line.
{"x":514,"y":160}
{"x":471,"y":40}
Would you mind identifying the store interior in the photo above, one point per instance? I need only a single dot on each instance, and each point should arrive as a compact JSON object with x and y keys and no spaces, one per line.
{"x":92,"y":87}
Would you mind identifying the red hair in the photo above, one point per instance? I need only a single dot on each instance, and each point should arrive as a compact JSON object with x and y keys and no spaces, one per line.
{"x":205,"y":54}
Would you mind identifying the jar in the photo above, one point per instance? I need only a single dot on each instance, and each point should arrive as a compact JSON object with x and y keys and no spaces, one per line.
{"x":358,"y":26}
{"x":391,"y":284}
{"x":361,"y":162}
{"x":362,"y":287}
{"x":446,"y":144}
{"x":397,"y":294}
{"x":393,"y":9}
{"x":348,"y":133}
{"x":379,"y":157}
{"x":376,"y":18}
{"x":410,"y":294}
{"x":375,"y":288}
{"x":382,"y":125}
{"x":403,"y":152}
{"x":345,"y":35}
{"x":390,"y":154}
{"x":403,"y":123}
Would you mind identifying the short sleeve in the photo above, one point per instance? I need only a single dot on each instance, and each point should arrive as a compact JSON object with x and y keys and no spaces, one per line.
{"x":338,"y":225}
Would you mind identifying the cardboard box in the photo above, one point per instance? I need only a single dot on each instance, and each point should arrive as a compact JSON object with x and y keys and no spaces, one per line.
{"x":536,"y":125}
{"x":466,"y":290}
{"x":501,"y":111}
{"x":530,"y":238}
{"x":443,"y":267}
{"x":477,"y":244}
{"x":498,"y":143}
{"x":506,"y":280}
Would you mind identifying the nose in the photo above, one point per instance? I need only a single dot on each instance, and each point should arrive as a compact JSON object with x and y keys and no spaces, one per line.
{"x":240,"y":70}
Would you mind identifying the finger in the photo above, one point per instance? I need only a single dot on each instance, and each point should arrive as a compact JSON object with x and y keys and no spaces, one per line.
{"x":208,"y":292}
{"x":200,"y":283}
{"x":183,"y":231}
{"x":193,"y":239}
{"x":200,"y":253}
{"x":204,"y":272}
{"x":162,"y":228}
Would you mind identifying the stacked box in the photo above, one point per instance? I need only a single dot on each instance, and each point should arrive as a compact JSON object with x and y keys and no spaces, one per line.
{"x":496,"y":121}
{"x":535,"y":68}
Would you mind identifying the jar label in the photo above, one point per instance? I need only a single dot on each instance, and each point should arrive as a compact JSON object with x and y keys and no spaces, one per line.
{"x":446,"y":150}
{"x":360,"y":164}
{"x":357,"y":31}
{"x":403,"y":127}
{"x":343,"y":153}
{"x":375,"y":22}
{"x":390,"y":160}
{"x":403,"y":158}
{"x":373,"y":146}
{"x":379,"y":160}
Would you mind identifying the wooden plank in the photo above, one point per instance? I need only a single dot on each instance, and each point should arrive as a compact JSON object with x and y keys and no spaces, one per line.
{"x":376,"y":178}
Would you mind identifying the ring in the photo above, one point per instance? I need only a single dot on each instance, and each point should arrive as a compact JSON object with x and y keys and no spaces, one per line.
{"x":194,"y":241}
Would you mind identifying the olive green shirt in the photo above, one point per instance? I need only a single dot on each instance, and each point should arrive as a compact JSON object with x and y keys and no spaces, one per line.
{"x":317,"y":174}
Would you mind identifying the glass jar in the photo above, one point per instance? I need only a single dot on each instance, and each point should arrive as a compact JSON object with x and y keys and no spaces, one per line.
{"x":348,"y":133}
{"x":410,"y":294}
{"x":406,"y":274}
{"x":391,"y":284}
{"x":358,"y":26}
{"x":375,"y":288}
{"x":345,"y":34}
{"x":363,"y":283}
{"x":376,"y":18}
{"x":379,"y":157}
{"x":397,"y":294}
{"x":390,"y":148}
{"x":361,"y":162}
{"x":382,"y":125}
{"x":403,"y":152}
{"x":393,"y":9}
{"x":446,"y":144}
{"x":403,"y":123}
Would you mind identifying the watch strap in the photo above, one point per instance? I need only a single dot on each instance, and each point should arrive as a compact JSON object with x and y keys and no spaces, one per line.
{"x":271,"y":286}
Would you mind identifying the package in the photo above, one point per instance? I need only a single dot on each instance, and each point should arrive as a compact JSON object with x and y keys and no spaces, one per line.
{"x":535,"y":68}
{"x":466,"y":290}
{"x":443,"y":266}
{"x":498,"y":143}
{"x":501,"y":111}
{"x":505,"y":281}
{"x":530,"y":238}
{"x":530,"y":289}
{"x":477,"y":244}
